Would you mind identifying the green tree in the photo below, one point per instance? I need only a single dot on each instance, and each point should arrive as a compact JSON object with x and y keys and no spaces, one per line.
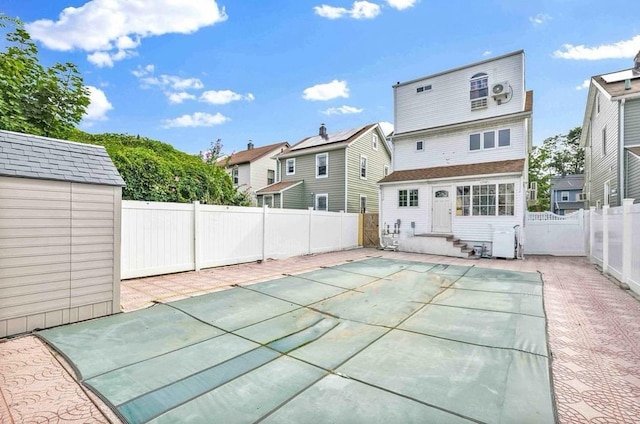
{"x":35,"y":99}
{"x":558,"y":155}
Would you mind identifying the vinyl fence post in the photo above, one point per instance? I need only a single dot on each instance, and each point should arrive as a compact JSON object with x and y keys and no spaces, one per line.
{"x":310,"y":226}
{"x":592,"y":212}
{"x":626,"y":239}
{"x":341,"y":228}
{"x":196,"y":235}
{"x":264,"y":231}
{"x":605,"y":238}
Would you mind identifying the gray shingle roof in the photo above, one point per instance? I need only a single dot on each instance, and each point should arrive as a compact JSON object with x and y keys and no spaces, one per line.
{"x":567,"y":182}
{"x":30,"y":156}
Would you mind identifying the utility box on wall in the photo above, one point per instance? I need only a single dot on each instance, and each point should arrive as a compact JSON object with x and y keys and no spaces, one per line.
{"x":60,"y":208}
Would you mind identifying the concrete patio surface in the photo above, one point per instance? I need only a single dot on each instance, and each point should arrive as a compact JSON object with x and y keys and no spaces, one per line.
{"x":593,"y":326}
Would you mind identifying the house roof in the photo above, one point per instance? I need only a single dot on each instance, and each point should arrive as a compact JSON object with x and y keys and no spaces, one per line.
{"x":31,"y":156}
{"x":616,"y":88}
{"x":250,"y":155}
{"x":278,"y":187}
{"x":634,"y":150}
{"x":336,"y":139}
{"x":500,"y":167}
{"x":567,"y":182}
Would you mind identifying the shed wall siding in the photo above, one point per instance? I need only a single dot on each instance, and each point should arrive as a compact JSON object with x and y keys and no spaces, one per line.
{"x":376,"y":160}
{"x":259,"y":170}
{"x":56,"y":253}
{"x":603,"y":168}
{"x":448,"y":101}
{"x":632,"y":123}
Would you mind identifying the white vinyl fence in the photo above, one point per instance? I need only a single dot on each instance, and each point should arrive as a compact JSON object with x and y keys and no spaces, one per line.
{"x":614,"y":241}
{"x":549,"y":234}
{"x":160,"y":238}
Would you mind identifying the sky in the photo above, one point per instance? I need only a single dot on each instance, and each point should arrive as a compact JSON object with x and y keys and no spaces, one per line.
{"x":189,"y":72}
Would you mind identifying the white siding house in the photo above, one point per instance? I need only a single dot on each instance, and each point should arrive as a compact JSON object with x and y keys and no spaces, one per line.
{"x":460,"y":157}
{"x":59,"y":233}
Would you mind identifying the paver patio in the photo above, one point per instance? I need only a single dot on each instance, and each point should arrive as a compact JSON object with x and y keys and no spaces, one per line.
{"x":594,"y":333}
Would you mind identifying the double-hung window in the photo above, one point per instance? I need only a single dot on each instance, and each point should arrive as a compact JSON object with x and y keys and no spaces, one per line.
{"x":271,"y":176}
{"x":374,"y":142}
{"x":479,"y":91}
{"x":322,"y":165}
{"x":234,"y":175}
{"x":363,"y":167}
{"x":322,"y":202}
{"x":290,"y":166}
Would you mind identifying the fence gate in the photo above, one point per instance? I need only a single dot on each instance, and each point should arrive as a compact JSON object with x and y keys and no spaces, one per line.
{"x":549,"y":234}
{"x":371,"y":236}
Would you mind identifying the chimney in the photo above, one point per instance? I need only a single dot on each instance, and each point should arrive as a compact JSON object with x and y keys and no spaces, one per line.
{"x":323,"y":131}
{"x":250,"y":145}
{"x":636,"y":63}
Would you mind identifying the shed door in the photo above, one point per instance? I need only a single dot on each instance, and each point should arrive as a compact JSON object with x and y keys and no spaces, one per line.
{"x":441,"y":222}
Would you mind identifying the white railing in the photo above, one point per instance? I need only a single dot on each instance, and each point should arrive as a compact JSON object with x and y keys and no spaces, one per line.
{"x":613,"y":241}
{"x":550,"y":216}
{"x":160,"y":238}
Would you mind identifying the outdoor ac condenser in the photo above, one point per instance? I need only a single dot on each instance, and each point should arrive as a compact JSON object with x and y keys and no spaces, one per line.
{"x":504,"y":243}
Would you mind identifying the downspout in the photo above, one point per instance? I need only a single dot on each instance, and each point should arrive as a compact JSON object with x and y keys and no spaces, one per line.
{"x":621,"y":188}
{"x":346,"y":179}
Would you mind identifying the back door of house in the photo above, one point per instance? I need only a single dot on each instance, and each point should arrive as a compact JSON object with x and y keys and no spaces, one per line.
{"x":441,"y":220}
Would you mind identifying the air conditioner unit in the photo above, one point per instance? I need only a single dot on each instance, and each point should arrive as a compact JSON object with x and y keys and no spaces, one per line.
{"x":500,"y":90}
{"x":583,"y":197}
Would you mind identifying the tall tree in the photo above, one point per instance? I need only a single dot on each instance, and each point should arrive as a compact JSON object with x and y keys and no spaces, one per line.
{"x":33,"y":98}
{"x":558,"y":155}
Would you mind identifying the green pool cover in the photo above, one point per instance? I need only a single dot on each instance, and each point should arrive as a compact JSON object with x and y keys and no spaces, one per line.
{"x":374,"y":341}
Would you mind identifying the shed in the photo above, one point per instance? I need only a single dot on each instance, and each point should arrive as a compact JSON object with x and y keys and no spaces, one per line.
{"x":60,"y":206}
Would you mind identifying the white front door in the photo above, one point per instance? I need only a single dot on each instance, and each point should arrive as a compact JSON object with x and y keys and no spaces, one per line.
{"x":441,"y":220}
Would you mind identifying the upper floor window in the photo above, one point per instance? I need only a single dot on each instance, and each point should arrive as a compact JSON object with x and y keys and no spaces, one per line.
{"x":504,"y":137}
{"x":385,"y":171}
{"x":271,"y":176}
{"x":322,"y":165}
{"x":564,"y":196}
{"x":479,"y":90}
{"x":487,"y":139}
{"x":604,"y":142}
{"x":363,"y":167}
{"x":234,"y":174}
{"x":419,"y":146}
{"x":291,"y":166}
{"x":375,"y":142}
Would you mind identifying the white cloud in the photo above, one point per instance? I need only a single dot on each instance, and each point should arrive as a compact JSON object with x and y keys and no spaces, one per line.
{"x":486,"y":53}
{"x":197,"y":119}
{"x":585,"y":84}
{"x":115,"y":27}
{"x":620,"y":50}
{"x":222,"y":97}
{"x":360,"y":10}
{"x":539,"y":19}
{"x":342,"y":110}
{"x":387,"y":127}
{"x":144,"y":71}
{"x":328,"y":91}
{"x":179,"y":97}
{"x":99,"y":105}
{"x":402,"y":4}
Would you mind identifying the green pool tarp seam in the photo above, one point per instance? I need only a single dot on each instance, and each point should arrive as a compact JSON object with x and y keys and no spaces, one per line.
{"x":487,"y":310}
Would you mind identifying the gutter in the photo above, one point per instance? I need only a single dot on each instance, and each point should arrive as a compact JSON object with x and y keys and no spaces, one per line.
{"x":461,"y":177}
{"x":309,"y":150}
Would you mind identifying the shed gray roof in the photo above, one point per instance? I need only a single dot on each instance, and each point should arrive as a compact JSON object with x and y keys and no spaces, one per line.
{"x":30,"y":156}
{"x":567,"y":182}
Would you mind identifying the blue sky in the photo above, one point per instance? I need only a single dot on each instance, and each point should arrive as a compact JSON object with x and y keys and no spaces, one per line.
{"x":191,"y":71}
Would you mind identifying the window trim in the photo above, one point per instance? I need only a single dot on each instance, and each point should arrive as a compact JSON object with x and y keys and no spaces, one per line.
{"x":315,"y":202}
{"x":265,"y":202}
{"x":326,"y":174}
{"x":273,"y":180}
{"x":603,"y":151}
{"x":421,"y":149}
{"x":235,"y":175}
{"x":366,"y":167}
{"x":496,"y":194}
{"x":286,"y":166}
{"x":385,"y":170}
{"x":363,"y":196}
{"x":374,"y":142}
{"x":480,"y":101}
{"x":496,"y":140}
{"x":408,"y":193}
{"x":564,"y":196}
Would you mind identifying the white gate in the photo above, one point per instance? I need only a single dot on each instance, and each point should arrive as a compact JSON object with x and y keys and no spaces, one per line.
{"x":549,"y":234}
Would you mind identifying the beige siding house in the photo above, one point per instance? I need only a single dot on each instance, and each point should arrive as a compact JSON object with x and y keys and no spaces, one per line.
{"x":59,"y":233}
{"x":611,"y":138}
{"x":331,"y":171}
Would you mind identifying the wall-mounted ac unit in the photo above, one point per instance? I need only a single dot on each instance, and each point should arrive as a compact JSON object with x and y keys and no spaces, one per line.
{"x":500,"y":90}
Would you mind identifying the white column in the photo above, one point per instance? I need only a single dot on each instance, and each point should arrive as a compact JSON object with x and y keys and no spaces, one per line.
{"x":196,"y":235}
{"x":605,"y":238}
{"x":626,"y":239}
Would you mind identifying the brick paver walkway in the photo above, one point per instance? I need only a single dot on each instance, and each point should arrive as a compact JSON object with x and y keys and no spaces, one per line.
{"x":594,"y":335}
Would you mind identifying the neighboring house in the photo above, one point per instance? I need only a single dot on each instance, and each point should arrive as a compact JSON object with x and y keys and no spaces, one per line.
{"x":331,"y":171}
{"x":566,"y":193}
{"x":611,"y":137}
{"x":253,"y":168}
{"x":461,"y":143}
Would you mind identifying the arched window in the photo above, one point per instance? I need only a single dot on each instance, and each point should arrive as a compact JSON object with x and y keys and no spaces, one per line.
{"x":479,"y":90}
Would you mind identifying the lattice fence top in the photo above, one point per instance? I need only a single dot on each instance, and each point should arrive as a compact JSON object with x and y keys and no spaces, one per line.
{"x":550,"y":216}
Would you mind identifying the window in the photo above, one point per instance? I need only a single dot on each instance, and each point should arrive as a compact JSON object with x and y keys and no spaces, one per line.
{"x":604,"y":143}
{"x":271,"y":176}
{"x":597,"y":104}
{"x":363,"y":167}
{"x":419,"y":146}
{"x":504,"y":138}
{"x":363,"y":203}
{"x":322,"y":165}
{"x":291,"y":166}
{"x":479,"y":91}
{"x":268,"y":200}
{"x":407,"y":198}
{"x":385,"y":171}
{"x":481,"y":200}
{"x":564,"y":196}
{"x":607,"y":192}
{"x":234,"y":175}
{"x":487,"y":140}
{"x":375,"y":142}
{"x":423,"y":88}
{"x":322,"y":202}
